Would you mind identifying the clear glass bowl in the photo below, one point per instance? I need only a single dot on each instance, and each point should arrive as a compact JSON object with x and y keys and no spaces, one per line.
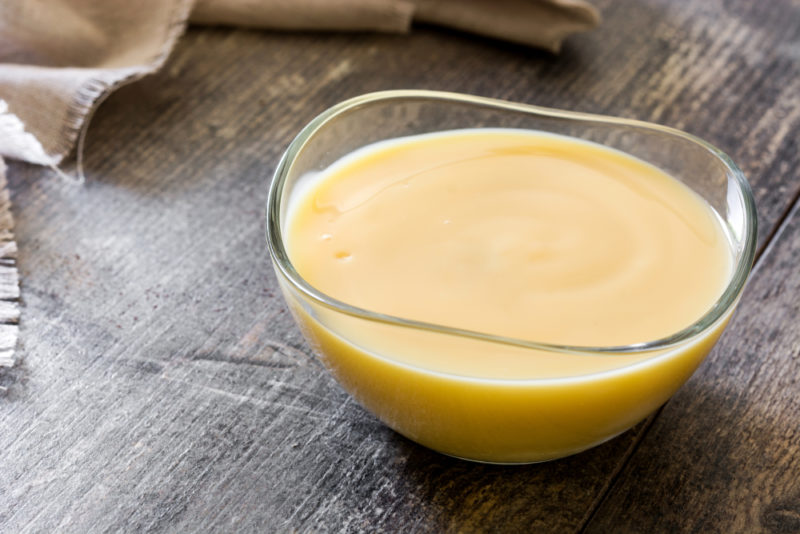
{"x":483,"y":418}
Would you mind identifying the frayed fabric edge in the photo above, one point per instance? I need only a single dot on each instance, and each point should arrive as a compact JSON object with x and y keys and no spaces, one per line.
{"x":28,"y":148}
{"x":9,"y":279}
{"x":89,"y":97}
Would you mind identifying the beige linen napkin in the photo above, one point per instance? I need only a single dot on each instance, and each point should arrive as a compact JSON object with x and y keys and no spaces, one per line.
{"x":60,"y":58}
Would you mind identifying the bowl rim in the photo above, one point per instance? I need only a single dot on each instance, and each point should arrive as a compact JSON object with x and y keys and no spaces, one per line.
{"x":719,"y":310}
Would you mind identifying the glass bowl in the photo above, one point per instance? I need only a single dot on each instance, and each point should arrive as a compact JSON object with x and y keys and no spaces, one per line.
{"x":502,"y":419}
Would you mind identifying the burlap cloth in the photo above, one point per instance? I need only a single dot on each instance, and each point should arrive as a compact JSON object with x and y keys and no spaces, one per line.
{"x":59,"y":58}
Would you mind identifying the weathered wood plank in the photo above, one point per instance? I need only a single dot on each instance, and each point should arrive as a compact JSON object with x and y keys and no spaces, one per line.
{"x":163,"y":386}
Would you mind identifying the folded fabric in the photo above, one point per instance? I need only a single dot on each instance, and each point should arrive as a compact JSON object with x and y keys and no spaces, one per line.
{"x":58,"y":58}
{"x":540,"y":23}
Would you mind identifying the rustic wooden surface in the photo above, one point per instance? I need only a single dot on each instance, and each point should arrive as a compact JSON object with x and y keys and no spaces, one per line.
{"x":163,"y":387}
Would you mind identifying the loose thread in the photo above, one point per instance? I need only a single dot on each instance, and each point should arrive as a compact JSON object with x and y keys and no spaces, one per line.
{"x":80,"y":179}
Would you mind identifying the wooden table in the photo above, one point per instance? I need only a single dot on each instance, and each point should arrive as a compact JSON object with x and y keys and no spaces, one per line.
{"x":162,"y":385}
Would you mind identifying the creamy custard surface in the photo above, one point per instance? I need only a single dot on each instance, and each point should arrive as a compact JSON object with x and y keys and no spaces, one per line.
{"x":513,"y":233}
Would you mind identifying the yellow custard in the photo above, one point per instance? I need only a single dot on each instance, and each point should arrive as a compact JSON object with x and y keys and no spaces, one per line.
{"x":518,"y":234}
{"x":512,"y":233}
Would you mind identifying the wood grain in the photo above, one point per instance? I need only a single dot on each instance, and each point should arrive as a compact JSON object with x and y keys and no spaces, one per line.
{"x":163,"y":386}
